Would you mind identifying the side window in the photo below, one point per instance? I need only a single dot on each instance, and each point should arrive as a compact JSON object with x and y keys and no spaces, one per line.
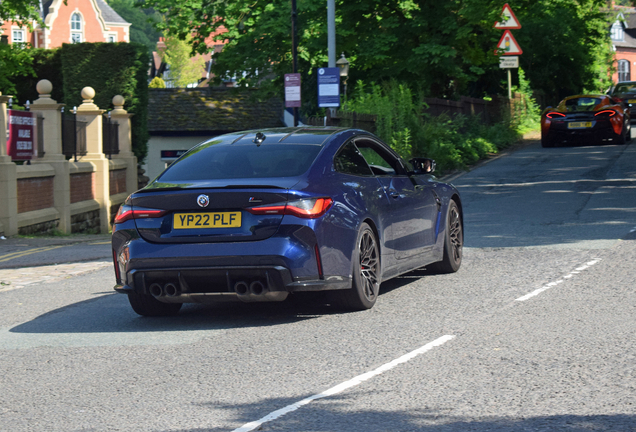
{"x":381,"y":162}
{"x":350,"y":161}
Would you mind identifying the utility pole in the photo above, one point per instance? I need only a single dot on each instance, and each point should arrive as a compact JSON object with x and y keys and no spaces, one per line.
{"x":331,"y":32}
{"x":331,"y":38}
{"x":294,"y":25}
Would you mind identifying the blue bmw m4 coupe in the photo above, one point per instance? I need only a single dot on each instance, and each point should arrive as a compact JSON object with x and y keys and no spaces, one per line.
{"x":259,"y":215}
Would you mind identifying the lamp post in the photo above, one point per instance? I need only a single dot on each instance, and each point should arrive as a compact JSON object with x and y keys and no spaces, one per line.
{"x":343,"y":64}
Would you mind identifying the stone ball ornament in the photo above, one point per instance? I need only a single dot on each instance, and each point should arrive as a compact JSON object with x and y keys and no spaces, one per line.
{"x":44,"y":88}
{"x":88,"y":93}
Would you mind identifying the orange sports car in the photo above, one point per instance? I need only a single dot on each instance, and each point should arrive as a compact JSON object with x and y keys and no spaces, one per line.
{"x":584,"y":119}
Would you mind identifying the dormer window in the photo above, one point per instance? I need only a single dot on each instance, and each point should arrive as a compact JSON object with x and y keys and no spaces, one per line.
{"x":618,"y":34}
{"x":76,"y":28}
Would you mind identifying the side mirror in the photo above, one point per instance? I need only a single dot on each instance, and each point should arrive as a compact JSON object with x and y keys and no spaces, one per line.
{"x":423,"y":165}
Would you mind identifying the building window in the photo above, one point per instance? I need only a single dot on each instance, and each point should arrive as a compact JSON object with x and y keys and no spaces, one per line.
{"x":111,"y":38}
{"x":623,"y":71}
{"x":76,"y":28}
{"x":18,"y":36}
{"x":76,"y":22}
{"x":617,"y":32}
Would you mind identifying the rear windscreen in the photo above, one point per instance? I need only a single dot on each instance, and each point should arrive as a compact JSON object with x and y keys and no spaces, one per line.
{"x":625,"y":88}
{"x":582,"y":103}
{"x":212,"y":162}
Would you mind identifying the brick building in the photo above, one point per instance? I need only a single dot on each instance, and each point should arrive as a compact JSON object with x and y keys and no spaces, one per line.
{"x":71,"y":22}
{"x":623,"y":35}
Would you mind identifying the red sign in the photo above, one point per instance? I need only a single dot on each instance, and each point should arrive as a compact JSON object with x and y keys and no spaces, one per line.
{"x":508,"y":19}
{"x":292,"y":90}
{"x":508,"y":45}
{"x":21,"y":134}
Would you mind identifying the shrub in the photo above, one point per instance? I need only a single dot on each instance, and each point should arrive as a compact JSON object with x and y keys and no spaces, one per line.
{"x":454,"y":142}
{"x":111,"y":69}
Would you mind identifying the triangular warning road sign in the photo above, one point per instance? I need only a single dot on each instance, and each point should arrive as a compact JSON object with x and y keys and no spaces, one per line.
{"x":508,"y":45}
{"x":508,"y":19}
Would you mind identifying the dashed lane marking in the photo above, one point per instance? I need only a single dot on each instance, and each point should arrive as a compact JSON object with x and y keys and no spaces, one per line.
{"x":570,"y":275}
{"x":345,"y":385}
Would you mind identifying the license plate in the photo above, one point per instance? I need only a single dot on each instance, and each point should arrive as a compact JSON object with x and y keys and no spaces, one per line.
{"x":207,"y":220}
{"x":631,"y":101}
{"x":579,"y":125}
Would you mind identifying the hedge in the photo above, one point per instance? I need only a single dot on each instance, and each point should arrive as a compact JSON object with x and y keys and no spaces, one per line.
{"x":111,"y":69}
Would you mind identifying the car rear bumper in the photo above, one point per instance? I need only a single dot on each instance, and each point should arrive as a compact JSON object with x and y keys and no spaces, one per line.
{"x":601,"y":131}
{"x":251,"y":271}
{"x":205,"y":284}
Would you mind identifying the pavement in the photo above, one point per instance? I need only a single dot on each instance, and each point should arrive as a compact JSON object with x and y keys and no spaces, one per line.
{"x":30,"y":260}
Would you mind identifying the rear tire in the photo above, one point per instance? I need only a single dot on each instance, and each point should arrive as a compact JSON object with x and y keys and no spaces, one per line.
{"x":546,"y":141}
{"x":453,"y":243}
{"x":366,"y":274}
{"x":147,"y":305}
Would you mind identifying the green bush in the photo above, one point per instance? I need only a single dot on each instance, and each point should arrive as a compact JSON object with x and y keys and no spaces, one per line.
{"x":46,"y":64}
{"x":111,"y":69}
{"x":157,"y":82}
{"x":453,"y":142}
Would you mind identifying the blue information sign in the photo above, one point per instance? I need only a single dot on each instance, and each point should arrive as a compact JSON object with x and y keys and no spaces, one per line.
{"x":328,"y":87}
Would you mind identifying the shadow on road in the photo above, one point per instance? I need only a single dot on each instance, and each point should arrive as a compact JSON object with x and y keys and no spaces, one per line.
{"x":111,"y":313}
{"x":330,"y":414}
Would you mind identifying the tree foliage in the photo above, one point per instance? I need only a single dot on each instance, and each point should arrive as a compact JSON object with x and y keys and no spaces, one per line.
{"x":21,"y":12}
{"x":184,"y":70}
{"x":443,"y":48}
{"x":142,"y":29}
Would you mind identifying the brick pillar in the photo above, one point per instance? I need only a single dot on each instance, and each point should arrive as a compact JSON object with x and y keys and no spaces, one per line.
{"x":52,"y":113}
{"x":8,"y":179}
{"x":91,"y":114}
{"x":121,"y":116}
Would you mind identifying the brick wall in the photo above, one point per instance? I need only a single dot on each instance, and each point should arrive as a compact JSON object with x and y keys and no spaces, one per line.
{"x":117,"y":182}
{"x":82,"y":187}
{"x":35,"y":194}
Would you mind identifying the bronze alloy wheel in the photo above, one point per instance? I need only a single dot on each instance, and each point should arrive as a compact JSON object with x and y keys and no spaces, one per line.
{"x":369,"y":265}
{"x":366,"y":274}
{"x":456,"y":235}
{"x":453,"y":243}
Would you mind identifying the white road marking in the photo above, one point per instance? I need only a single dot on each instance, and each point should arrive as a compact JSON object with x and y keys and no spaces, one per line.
{"x":345,"y":385}
{"x":576,"y":271}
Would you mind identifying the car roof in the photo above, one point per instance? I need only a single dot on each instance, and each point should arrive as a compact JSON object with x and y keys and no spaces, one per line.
{"x":598,"y":96}
{"x":315,"y":135}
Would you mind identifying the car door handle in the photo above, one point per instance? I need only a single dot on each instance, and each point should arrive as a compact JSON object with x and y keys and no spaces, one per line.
{"x":394,"y":193}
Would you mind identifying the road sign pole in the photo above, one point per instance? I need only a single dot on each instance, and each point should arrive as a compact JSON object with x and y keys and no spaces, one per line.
{"x":509,"y":84}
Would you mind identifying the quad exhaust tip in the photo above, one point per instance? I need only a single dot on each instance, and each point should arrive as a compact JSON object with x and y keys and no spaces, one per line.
{"x":169,"y":290}
{"x":156,"y":290}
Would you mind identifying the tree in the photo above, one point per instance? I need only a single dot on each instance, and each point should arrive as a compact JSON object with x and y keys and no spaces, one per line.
{"x":142,"y":21}
{"x":573,"y":53}
{"x":444,"y":48}
{"x":184,"y":69}
{"x":15,"y":60}
{"x":21,"y":12}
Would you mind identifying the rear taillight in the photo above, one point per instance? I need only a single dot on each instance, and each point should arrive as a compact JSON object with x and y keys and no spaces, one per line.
{"x":117,"y":272}
{"x":127,"y":212}
{"x":554,"y":114}
{"x":303,"y":208}
{"x":609,"y":113}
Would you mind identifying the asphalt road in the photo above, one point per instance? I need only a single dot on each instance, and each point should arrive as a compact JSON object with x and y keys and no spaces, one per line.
{"x":534,"y":333}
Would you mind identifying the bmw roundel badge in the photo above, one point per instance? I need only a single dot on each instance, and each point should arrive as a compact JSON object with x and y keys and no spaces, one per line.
{"x":203,"y":200}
